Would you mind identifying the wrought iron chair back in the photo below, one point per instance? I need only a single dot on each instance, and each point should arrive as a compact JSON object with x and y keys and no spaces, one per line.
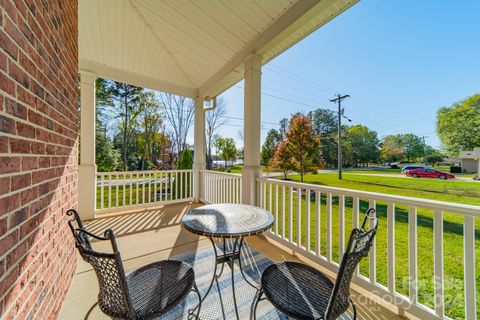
{"x":358,"y":247}
{"x":113,"y":297}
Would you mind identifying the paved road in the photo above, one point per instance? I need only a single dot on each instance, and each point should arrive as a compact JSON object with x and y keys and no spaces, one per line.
{"x":394,"y":175}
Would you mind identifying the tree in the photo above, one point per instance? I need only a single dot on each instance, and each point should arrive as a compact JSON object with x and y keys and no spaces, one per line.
{"x":283,"y":127}
{"x":282,"y":159}
{"x":185,"y":160}
{"x":214,"y":119}
{"x":302,"y":144}
{"x":151,"y":123}
{"x":391,"y":148}
{"x":127,"y":97}
{"x":178,"y":112}
{"x":227,"y":149}
{"x":361,"y":145}
{"x":106,"y":156}
{"x":325,"y":124}
{"x":433,"y":156}
{"x":413,"y":146}
{"x":458,"y":126}
{"x":270,"y":145}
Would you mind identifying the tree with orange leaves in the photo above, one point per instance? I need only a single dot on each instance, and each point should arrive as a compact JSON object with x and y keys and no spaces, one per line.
{"x":302,"y":144}
{"x":282,"y":159}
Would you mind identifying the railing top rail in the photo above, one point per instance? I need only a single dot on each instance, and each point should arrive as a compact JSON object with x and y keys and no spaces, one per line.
{"x":229,"y":174}
{"x":444,"y":206}
{"x":145,"y":171}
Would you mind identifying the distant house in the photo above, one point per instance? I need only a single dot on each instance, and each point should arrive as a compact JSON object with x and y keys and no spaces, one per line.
{"x":470,"y":160}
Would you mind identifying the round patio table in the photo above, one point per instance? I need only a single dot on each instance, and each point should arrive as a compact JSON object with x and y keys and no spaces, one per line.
{"x":227,"y":221}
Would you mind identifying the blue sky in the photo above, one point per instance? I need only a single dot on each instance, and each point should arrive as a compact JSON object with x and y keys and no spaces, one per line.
{"x":399,"y":60}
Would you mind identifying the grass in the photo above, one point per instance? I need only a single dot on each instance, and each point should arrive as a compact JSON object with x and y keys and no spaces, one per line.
{"x":451,"y":191}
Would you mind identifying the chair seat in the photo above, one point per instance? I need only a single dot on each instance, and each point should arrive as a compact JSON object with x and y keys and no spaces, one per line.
{"x":298,"y":290}
{"x":159,"y":286}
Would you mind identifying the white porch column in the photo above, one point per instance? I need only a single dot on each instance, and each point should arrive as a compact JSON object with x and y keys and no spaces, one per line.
{"x":251,"y":135}
{"x":199,"y":148}
{"x":87,"y":168}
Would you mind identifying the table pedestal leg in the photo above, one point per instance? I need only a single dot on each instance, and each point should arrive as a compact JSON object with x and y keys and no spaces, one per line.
{"x":228,"y":258}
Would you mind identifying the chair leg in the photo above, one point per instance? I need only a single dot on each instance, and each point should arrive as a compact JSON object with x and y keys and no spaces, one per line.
{"x":253,"y":314}
{"x":354,"y":310}
{"x":191,"y":312}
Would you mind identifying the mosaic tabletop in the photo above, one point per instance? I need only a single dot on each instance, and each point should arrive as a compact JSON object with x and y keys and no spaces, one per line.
{"x":227,"y":220}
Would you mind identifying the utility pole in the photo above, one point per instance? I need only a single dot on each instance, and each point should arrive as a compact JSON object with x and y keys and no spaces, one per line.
{"x":339,"y":99}
{"x":424,"y":149}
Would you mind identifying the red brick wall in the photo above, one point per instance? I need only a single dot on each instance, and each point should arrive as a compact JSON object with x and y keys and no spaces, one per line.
{"x":38,"y":154}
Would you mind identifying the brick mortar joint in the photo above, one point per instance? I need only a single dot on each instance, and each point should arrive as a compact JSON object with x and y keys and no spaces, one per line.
{"x":38,"y":281}
{"x":16,"y":228}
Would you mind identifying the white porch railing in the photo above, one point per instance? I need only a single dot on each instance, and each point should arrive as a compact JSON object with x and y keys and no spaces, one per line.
{"x":220,"y":187}
{"x":119,"y":190}
{"x":407,"y":264}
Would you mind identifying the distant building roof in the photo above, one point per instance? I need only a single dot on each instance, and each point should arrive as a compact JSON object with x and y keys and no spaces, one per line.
{"x":474,"y":154}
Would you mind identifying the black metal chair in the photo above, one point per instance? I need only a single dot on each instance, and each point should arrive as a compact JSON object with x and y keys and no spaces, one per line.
{"x":145,"y":293}
{"x":303,"y":292}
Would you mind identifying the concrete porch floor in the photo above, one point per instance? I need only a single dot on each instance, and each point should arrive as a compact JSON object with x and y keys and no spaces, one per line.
{"x":148,"y":235}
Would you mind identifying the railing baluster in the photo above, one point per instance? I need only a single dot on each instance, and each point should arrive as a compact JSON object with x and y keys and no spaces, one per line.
{"x":109,"y":190}
{"x":191,"y":183}
{"x":318,"y":203}
{"x":438,"y":262}
{"x":299,"y":217}
{"x":469,"y":257}
{"x":102,"y":191}
{"x":412,"y":254}
{"x":171,"y":186}
{"x":181,"y":184}
{"x":117,"y":185}
{"x":264,"y":195}
{"x":283,"y":211}
{"x":307,"y":223}
{"x":290,"y":217}
{"x":131,"y":189}
{"x":137,"y":188}
{"x":355,"y":220}
{"x":155,"y":181}
{"x":124,"y":176}
{"x":341,"y":226}
{"x":270,"y":195}
{"x":329,"y":227}
{"x":391,"y":247}
{"x":149,"y":187}
{"x":276,"y":209}
{"x":373,"y":250}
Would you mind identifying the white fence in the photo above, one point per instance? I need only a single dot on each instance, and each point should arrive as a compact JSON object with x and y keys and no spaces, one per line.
{"x":407,"y":264}
{"x":220,"y":187}
{"x":119,"y":190}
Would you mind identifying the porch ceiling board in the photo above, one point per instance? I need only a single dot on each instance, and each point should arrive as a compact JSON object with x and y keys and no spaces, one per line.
{"x":191,"y":47}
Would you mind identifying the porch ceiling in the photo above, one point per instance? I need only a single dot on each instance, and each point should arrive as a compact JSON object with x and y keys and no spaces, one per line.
{"x":192,"y":48}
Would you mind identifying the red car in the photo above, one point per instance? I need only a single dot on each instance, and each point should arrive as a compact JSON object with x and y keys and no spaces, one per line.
{"x":429,"y":173}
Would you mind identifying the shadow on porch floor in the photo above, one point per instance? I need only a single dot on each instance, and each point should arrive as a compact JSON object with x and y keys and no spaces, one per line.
{"x":149,"y":235}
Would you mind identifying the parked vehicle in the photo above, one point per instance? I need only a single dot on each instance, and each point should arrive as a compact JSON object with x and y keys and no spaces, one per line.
{"x":412,"y":167}
{"x":429,"y":173}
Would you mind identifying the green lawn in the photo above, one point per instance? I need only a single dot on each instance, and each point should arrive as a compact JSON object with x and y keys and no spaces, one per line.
{"x":452,"y":191}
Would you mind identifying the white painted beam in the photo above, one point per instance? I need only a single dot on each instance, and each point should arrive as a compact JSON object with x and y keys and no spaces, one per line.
{"x":136,"y":79}
{"x":252,"y":107}
{"x":87,"y":168}
{"x":199,"y":148}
